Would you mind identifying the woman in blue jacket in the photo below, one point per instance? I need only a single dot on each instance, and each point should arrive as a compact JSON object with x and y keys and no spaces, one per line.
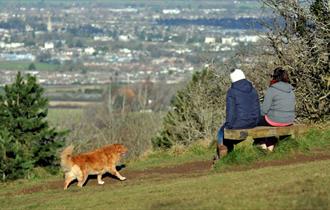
{"x":242,"y":110}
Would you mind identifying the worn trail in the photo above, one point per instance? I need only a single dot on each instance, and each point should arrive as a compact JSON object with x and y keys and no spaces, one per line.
{"x":191,"y":169}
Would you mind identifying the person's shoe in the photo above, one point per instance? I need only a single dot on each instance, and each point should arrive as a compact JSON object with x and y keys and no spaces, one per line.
{"x":223,"y":151}
{"x":262,"y":146}
{"x":270,"y":148}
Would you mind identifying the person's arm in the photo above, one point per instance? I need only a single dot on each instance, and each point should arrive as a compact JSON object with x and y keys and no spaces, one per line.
{"x":265,"y":107}
{"x":230,"y":109}
{"x":257,"y":106}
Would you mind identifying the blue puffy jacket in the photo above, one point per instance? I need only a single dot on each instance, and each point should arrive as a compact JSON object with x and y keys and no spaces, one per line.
{"x":242,"y":106}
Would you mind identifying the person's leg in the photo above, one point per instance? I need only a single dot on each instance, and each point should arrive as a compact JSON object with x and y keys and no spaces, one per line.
{"x":221,"y":148}
{"x":261,"y":142}
{"x":229,"y":144}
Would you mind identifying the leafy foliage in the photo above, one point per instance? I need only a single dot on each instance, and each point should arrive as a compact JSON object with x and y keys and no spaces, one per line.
{"x":26,"y":139}
{"x":197,"y":111}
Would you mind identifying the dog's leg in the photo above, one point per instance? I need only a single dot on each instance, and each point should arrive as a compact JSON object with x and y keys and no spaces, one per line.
{"x":114,"y":171}
{"x":82,"y":179}
{"x":99,"y":179}
{"x":68,"y":179}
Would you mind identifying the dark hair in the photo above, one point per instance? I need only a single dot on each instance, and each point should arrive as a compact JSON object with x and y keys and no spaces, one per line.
{"x":280,"y":74}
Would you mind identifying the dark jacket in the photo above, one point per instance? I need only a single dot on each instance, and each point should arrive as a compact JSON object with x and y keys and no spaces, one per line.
{"x":279,"y":103}
{"x":242,"y":106}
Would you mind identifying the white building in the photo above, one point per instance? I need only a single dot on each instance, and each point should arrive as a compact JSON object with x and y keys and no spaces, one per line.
{"x":89,"y":50}
{"x":248,"y":38}
{"x":171,"y":11}
{"x":124,"y":38}
{"x":227,"y":40}
{"x":209,"y":40}
{"x":49,"y":45}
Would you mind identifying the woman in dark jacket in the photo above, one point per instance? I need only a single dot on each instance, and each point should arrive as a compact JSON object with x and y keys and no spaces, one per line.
{"x":242,"y":109}
{"x":278,"y":107}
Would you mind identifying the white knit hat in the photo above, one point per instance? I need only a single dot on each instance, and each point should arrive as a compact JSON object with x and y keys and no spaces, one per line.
{"x":236,"y":75}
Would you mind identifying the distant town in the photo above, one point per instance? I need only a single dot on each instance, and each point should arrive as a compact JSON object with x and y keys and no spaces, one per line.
{"x":100,"y":44}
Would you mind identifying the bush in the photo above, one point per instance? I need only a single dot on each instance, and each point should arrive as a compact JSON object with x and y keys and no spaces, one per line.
{"x":197,"y":111}
{"x":99,"y":127}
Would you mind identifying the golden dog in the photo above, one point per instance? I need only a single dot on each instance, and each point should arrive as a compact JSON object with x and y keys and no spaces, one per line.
{"x":96,"y":162}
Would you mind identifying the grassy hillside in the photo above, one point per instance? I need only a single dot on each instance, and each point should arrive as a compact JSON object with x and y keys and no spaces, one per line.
{"x":301,"y":186}
{"x":295,"y":176}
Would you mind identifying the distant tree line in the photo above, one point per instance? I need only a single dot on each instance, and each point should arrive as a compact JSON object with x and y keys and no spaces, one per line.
{"x":228,"y":23}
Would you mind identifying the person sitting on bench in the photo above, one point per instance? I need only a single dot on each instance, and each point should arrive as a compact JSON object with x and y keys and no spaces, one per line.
{"x":242,"y":110}
{"x":278,"y":107}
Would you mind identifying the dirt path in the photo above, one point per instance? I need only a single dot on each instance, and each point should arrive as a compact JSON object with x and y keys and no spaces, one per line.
{"x":191,"y":169}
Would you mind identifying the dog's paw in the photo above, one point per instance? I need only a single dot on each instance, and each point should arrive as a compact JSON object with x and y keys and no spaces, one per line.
{"x":100,"y":182}
{"x":122,"y":178}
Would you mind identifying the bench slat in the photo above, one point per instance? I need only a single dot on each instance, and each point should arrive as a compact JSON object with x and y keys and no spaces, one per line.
{"x":264,"y":131}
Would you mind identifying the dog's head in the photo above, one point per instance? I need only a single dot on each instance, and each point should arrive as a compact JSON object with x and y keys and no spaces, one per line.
{"x":120,"y":149}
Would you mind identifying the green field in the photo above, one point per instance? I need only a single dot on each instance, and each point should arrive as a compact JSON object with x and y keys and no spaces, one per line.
{"x":61,"y":117}
{"x":24,"y":65}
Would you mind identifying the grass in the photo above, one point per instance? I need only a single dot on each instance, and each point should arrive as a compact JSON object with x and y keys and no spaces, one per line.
{"x":177,"y":155}
{"x":24,"y":65}
{"x":297,"y":186}
{"x":246,"y":154}
{"x":64,"y":117}
{"x":302,"y":186}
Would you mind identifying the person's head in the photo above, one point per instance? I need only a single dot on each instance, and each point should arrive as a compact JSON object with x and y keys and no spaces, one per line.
{"x":280,"y":75}
{"x":236,"y":75}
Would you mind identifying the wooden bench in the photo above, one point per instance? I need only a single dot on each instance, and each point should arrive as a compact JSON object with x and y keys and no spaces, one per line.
{"x":265,"y":131}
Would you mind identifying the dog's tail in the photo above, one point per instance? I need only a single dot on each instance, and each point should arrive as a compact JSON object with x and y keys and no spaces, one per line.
{"x":66,"y":155}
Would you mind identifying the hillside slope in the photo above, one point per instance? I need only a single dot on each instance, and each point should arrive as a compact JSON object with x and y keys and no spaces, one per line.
{"x":299,"y":182}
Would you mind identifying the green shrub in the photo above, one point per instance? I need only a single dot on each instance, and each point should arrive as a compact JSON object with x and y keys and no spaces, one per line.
{"x":196,"y":113}
{"x":26,"y":139}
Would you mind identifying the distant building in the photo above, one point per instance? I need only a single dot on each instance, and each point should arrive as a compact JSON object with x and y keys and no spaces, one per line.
{"x":171,"y":11}
{"x":248,"y":38}
{"x":209,"y":40}
{"x":89,"y":50}
{"x":227,"y":40}
{"x":49,"y":24}
{"x":49,"y":45}
{"x":102,"y":38}
{"x":17,"y":57}
{"x":28,"y":28}
{"x":124,"y":38}
{"x":11,"y":45}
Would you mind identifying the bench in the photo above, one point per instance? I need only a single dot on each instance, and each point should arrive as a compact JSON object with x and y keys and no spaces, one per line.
{"x":265,"y":131}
